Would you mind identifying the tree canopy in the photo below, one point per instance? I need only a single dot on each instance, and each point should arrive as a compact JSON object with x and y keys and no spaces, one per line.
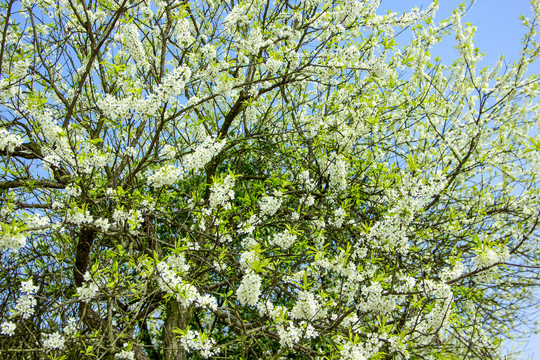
{"x":261,"y":180}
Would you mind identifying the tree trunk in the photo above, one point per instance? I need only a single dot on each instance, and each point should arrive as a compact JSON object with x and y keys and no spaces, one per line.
{"x":177,"y":317}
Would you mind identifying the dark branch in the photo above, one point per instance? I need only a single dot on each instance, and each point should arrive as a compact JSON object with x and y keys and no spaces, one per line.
{"x":28,"y":151}
{"x":11,"y":184}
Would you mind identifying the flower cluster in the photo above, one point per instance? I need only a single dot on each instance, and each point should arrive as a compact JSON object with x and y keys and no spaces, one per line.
{"x":49,"y":127}
{"x":195,"y":341}
{"x":170,"y":272}
{"x":488,"y":256}
{"x":164,"y":176}
{"x":25,"y":304}
{"x":125,"y":354}
{"x":336,"y":169}
{"x":72,"y":190}
{"x":133,"y":43}
{"x":176,"y":263}
{"x":170,"y":280}
{"x":20,"y":68}
{"x":283,"y":239}
{"x":222,"y":193}
{"x":306,"y":180}
{"x":270,"y":204}
{"x":103,"y":224}
{"x":88,"y":290}
{"x":9,"y":142}
{"x":36,"y":222}
{"x":182,"y":30}
{"x":54,"y":341}
{"x":78,"y":216}
{"x":236,"y":17}
{"x":168,"y":152}
{"x":273,"y":65}
{"x":339,"y":217}
{"x":375,"y":301}
{"x":248,"y":258}
{"x":132,"y":219}
{"x":72,"y":326}
{"x":203,"y":154}
{"x":485,"y":259}
{"x":8,"y":328}
{"x":248,"y":226}
{"x":352,"y":351}
{"x":290,"y":335}
{"x":173,"y":84}
{"x":307,"y":307}
{"x":12,"y":237}
{"x":453,"y":273}
{"x":250,"y":288}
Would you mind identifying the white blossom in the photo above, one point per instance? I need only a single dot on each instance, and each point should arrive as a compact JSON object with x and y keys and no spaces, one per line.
{"x":25,"y":305}
{"x":8,"y":328}
{"x":307,"y":307}
{"x":283,"y":239}
{"x":8,"y":142}
{"x":270,"y":204}
{"x":134,"y":45}
{"x":288,"y":336}
{"x":168,"y":152}
{"x":248,"y":258}
{"x":54,"y":341}
{"x":71,"y":327}
{"x":28,"y":287}
{"x":273,"y":65}
{"x":202,"y":154}
{"x":222,"y":193}
{"x":89,"y":288}
{"x":103,"y":224}
{"x":165,"y":176}
{"x":125,"y":354}
{"x":486,"y":257}
{"x":12,"y":239}
{"x":37,"y":221}
{"x":195,"y":341}
{"x":249,"y":290}
{"x":339,"y":217}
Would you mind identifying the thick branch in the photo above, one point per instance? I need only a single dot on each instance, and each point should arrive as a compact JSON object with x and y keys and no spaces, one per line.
{"x":27,"y":151}
{"x":233,"y":113}
{"x":86,"y":240}
{"x":4,"y":34}
{"x":11,"y":184}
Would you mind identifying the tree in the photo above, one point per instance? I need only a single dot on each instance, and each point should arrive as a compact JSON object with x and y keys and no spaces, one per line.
{"x":261,"y":180}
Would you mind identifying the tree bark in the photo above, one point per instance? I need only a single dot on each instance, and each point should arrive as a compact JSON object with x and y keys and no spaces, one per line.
{"x":177,"y":317}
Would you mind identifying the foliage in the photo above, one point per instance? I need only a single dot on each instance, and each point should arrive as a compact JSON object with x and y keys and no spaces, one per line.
{"x":261,"y":179}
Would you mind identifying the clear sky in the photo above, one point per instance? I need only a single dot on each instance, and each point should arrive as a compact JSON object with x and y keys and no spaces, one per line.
{"x":499,"y":31}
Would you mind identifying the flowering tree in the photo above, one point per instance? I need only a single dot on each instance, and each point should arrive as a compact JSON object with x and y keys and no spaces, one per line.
{"x":260,"y":179}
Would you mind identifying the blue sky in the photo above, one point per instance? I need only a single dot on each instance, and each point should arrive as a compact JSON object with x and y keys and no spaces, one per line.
{"x":499,"y":31}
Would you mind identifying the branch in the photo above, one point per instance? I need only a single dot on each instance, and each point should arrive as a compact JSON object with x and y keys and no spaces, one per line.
{"x":27,"y":150}
{"x":95,"y":322}
{"x":238,"y":106}
{"x":11,"y":184}
{"x":4,"y":34}
{"x":90,"y":317}
{"x":33,"y":206}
